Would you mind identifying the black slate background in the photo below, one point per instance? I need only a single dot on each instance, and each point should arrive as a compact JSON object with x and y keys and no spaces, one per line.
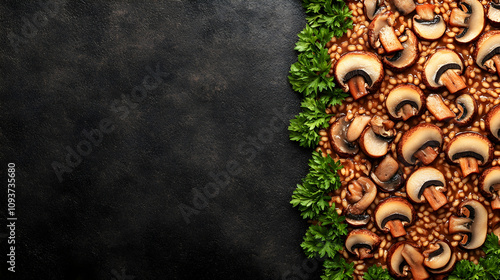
{"x":222,"y":107}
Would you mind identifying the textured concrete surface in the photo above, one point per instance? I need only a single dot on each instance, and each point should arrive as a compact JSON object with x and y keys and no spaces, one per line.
{"x":150,"y":139}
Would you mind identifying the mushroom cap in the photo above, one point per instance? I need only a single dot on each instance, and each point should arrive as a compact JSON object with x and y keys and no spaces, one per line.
{"x":416,"y":138}
{"x":421,"y":179}
{"x":429,"y":30}
{"x":489,"y":181}
{"x":404,"y":256}
{"x":470,"y":144}
{"x":473,"y":224}
{"x":438,"y":63}
{"x":439,"y":259}
{"x":364,"y":192}
{"x":379,"y":24}
{"x":487,"y":46}
{"x":494,"y":13}
{"x":359,"y":63}
{"x":468,"y":109}
{"x":394,"y":208}
{"x":373,"y":145}
{"x":402,"y":60}
{"x":388,"y":164}
{"x":338,"y":138}
{"x":395,"y":261}
{"x":492,"y":121}
{"x":404,"y":6}
{"x":476,"y":21}
{"x":402,"y":95}
{"x":361,"y":238}
{"x":373,"y":8}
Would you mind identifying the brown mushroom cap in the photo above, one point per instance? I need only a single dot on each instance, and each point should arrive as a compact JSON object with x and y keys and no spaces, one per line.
{"x":428,"y":25}
{"x":387,"y":174}
{"x":439,"y":258}
{"x":472,"y":223}
{"x":439,"y":65}
{"x":468,"y":109}
{"x":405,"y":101}
{"x":493,"y":14}
{"x":362,"y":242}
{"x":361,"y":194}
{"x":372,"y":144}
{"x":489,"y":185}
{"x":425,"y":138}
{"x":402,"y":60}
{"x":487,"y":51}
{"x":338,"y":138}
{"x":404,"y":256}
{"x":428,"y":183}
{"x":393,"y":214}
{"x":470,"y":149}
{"x":470,"y":15}
{"x":492,"y":121}
{"x":373,"y":8}
{"x":381,"y":35}
{"x":357,"y":64}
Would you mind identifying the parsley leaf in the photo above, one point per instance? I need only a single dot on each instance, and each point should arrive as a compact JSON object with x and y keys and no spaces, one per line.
{"x":491,"y":265}
{"x":491,"y":246}
{"x":331,"y":14}
{"x":313,"y":40}
{"x":337,"y":269}
{"x":376,"y":272}
{"x":466,"y":270}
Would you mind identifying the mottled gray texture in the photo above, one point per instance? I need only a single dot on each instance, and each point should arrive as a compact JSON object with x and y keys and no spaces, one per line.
{"x":119,"y":208}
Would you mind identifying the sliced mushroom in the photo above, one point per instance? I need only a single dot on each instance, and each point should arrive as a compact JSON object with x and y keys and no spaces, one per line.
{"x":492,"y":121}
{"x":362,"y":242}
{"x":372,"y":144}
{"x":356,"y":127}
{"x":426,"y":24}
{"x":360,"y":194}
{"x":429,"y":183}
{"x":393,"y":215}
{"x":471,"y":150}
{"x":402,"y":60}
{"x":359,"y":72}
{"x":496,"y":231}
{"x":405,"y":101}
{"x":381,"y":35}
{"x":487,"y":53}
{"x":471,"y":222}
{"x":489,"y":185}
{"x":439,"y":258}
{"x":443,"y":68}
{"x":373,"y":8}
{"x":404,"y":6}
{"x":468,"y":108}
{"x":404,"y":257}
{"x":387,"y":174}
{"x":470,"y":16}
{"x":494,"y":12}
{"x":422,"y":142}
{"x":338,"y":138}
{"x":383,"y":128}
{"x":438,"y":109}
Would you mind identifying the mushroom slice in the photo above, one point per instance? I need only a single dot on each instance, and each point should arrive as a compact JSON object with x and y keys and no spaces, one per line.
{"x":373,"y":8}
{"x":403,"y":257}
{"x":438,"y":109}
{"x":470,"y":149}
{"x":443,"y":68}
{"x":338,"y":138}
{"x":422,"y":142}
{"x":360,"y":194}
{"x":489,"y":185}
{"x":496,"y":231}
{"x":430,"y":183}
{"x":402,"y":60}
{"x":468,"y":107}
{"x":493,"y":123}
{"x":362,"y":242}
{"x":404,"y":6}
{"x":356,"y":127}
{"x":383,"y":128}
{"x":393,"y":214}
{"x":439,"y":258}
{"x":428,"y":25}
{"x":381,"y":35}
{"x":359,"y":72}
{"x":494,"y":12}
{"x":387,"y":174}
{"x":472,"y":222}
{"x":487,"y":53}
{"x":405,"y":101}
{"x":372,"y":144}
{"x":470,"y":16}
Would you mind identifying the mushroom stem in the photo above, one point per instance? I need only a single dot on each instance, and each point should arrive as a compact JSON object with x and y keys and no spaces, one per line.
{"x":357,"y":87}
{"x":407,"y":112}
{"x":496,"y":60}
{"x":363,"y":253}
{"x":396,"y":227}
{"x":459,"y":18}
{"x":427,"y":155}
{"x":452,"y":81}
{"x":435,"y":198}
{"x":459,"y":224}
{"x":415,"y":260}
{"x":495,"y":204}
{"x":389,"y":40}
{"x":426,"y":11}
{"x":468,"y":165}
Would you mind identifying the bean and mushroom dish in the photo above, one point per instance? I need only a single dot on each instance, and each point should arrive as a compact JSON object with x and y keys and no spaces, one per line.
{"x":418,"y":136}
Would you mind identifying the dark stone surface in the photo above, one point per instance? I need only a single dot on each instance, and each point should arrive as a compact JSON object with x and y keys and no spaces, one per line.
{"x":211,"y":111}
